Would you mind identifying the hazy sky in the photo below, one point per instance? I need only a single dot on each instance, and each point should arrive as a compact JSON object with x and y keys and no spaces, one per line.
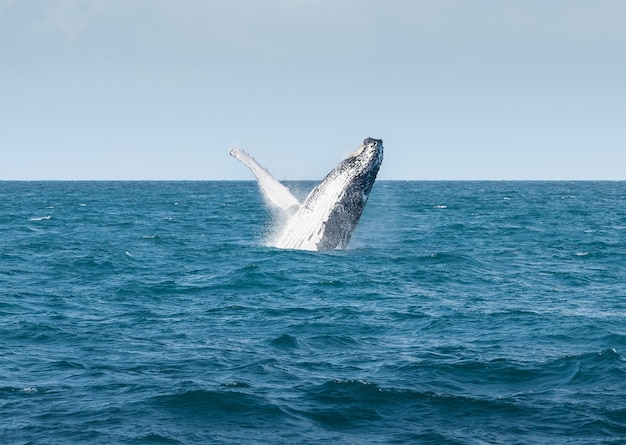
{"x":457,"y":89}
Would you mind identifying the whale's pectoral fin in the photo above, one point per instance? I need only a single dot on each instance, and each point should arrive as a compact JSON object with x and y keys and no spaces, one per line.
{"x":276,"y":193}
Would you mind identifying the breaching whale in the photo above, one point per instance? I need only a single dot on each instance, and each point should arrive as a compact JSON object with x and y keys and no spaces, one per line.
{"x":331,"y":211}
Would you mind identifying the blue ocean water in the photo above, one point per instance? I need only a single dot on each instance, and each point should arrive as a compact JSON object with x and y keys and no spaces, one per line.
{"x":463,"y":313}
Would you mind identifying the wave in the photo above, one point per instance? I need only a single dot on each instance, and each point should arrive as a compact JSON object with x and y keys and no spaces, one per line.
{"x":223,"y":404}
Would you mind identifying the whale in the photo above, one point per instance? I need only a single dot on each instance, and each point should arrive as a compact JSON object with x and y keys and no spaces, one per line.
{"x":331,"y":211}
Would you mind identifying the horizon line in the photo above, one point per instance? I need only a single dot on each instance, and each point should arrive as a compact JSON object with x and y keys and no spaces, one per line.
{"x":311,"y":180}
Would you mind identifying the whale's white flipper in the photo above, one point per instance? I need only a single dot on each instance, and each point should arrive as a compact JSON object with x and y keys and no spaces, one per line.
{"x":276,"y":193}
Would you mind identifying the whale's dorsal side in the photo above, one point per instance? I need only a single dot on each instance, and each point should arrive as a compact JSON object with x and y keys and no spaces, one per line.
{"x":277,"y":194}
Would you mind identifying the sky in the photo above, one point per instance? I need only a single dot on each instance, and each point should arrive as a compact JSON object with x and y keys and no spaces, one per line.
{"x":457,"y":89}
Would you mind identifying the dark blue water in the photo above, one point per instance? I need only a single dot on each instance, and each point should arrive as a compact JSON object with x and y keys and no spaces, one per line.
{"x":463,"y":313}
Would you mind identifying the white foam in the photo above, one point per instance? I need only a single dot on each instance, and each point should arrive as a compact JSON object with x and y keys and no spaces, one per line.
{"x":43,"y":218}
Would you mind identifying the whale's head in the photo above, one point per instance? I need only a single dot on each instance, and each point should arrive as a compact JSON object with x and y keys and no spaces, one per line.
{"x":365,"y":162}
{"x":368,"y":156}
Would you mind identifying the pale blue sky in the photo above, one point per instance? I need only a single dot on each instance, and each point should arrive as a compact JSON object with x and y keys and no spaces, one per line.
{"x":457,"y":89}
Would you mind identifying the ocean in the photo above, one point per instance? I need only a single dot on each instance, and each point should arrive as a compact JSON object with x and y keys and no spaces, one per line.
{"x":462,"y":313}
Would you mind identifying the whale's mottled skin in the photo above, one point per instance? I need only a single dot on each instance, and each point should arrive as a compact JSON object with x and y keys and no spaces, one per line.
{"x":329,"y":215}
